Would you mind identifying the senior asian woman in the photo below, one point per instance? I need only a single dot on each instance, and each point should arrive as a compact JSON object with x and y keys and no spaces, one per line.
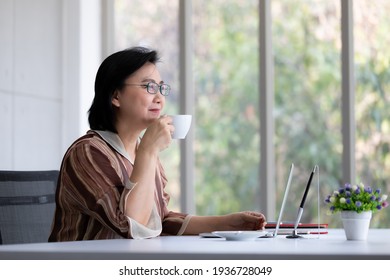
{"x":112,"y":183}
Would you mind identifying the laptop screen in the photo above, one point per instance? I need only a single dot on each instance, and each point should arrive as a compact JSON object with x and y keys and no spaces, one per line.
{"x":284,"y":200}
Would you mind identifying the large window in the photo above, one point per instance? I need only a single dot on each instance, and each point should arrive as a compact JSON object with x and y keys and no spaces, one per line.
{"x":307,"y":113}
{"x":372,"y":64}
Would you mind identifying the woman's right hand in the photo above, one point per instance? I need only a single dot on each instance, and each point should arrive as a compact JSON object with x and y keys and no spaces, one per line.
{"x":158,"y":135}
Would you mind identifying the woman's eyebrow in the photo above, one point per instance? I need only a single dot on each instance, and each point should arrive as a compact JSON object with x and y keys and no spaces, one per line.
{"x":147,"y":80}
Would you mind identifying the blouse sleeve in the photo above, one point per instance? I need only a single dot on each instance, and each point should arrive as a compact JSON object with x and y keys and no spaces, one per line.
{"x":138,"y":231}
{"x":174,"y":223}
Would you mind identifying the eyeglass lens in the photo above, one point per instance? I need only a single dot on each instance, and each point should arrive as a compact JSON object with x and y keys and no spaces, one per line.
{"x":153,"y":88}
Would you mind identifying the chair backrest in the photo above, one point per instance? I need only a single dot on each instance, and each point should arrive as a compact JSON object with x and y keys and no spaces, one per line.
{"x":27,"y":204}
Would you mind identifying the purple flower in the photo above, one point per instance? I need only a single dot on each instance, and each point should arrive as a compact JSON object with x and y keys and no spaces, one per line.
{"x":327,"y":200}
{"x":348,"y":194}
{"x":368,"y":189}
{"x":358,"y":203}
{"x":357,"y":191}
{"x":347,"y":186}
{"x":378,"y":191}
{"x":332,"y":208}
{"x":379,"y":207}
{"x":348,"y":201}
{"x":372,"y":198}
{"x":341,"y":190}
{"x":385,"y":204}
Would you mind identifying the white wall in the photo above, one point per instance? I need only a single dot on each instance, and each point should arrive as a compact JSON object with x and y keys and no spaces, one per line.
{"x":82,"y":48}
{"x":46,"y":78}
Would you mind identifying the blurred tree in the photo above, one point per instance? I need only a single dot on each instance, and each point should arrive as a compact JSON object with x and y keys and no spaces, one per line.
{"x":226,"y":86}
{"x":306,"y":42}
{"x":307,"y":47}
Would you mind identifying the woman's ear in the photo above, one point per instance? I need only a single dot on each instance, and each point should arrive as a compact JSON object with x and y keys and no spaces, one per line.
{"x":115,"y":99}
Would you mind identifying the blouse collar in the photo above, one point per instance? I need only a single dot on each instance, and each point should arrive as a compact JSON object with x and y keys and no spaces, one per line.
{"x":114,"y":141}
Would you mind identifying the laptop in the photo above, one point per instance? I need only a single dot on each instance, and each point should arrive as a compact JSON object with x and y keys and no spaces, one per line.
{"x":287,"y":228}
{"x":268,"y":234}
{"x":293,"y":230}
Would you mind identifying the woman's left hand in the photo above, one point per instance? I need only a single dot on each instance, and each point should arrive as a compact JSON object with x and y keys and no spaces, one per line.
{"x":247,"y":220}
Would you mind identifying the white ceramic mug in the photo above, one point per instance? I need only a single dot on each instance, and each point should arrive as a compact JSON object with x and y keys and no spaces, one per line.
{"x":182,"y":125}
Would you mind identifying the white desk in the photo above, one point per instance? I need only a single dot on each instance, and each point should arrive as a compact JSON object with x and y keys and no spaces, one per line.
{"x":328,"y":246}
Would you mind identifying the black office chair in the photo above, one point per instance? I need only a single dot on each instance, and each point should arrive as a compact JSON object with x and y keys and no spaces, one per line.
{"x":27,"y":203}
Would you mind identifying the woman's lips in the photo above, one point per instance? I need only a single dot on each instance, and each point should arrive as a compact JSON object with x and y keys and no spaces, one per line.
{"x":156,"y":111}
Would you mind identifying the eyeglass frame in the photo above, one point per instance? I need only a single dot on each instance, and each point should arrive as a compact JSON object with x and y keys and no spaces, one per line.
{"x":166,"y":90}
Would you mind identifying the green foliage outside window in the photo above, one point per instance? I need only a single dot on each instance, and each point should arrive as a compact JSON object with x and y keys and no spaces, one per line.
{"x":307,"y":83}
{"x":307,"y":50}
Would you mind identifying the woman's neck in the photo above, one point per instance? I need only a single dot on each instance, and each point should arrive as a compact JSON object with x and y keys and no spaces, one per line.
{"x":129,"y":138}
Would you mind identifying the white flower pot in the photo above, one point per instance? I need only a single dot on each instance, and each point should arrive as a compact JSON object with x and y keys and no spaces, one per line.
{"x":356,"y":225}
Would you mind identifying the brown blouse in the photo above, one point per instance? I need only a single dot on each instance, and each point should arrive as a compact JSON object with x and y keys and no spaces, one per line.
{"x":90,"y":188}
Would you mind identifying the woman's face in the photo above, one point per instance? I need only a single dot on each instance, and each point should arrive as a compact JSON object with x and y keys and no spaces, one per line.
{"x":134,"y":104}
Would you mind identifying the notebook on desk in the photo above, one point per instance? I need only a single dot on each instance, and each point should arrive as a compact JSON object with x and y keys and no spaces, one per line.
{"x":303,"y":228}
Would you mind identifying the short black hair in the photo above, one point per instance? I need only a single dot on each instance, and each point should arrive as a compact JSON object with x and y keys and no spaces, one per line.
{"x":111,"y":76}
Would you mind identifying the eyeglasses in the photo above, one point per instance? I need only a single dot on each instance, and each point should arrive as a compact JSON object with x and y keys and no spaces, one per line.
{"x":153,"y":88}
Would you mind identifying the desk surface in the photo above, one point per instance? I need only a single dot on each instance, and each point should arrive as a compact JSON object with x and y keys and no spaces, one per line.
{"x":327,"y":246}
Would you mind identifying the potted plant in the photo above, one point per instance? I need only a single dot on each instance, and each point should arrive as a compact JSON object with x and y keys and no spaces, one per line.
{"x":356,"y":203}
